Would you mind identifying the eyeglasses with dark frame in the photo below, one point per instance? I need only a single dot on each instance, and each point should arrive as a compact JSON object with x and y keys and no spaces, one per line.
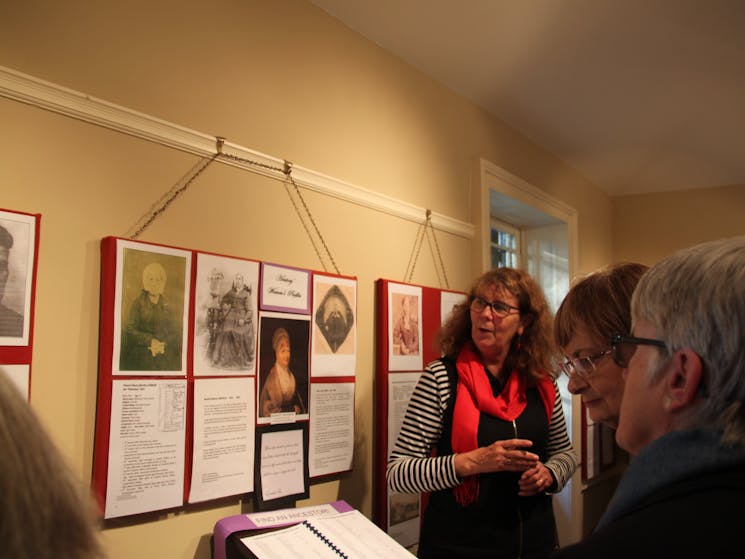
{"x":624,"y":347}
{"x":498,"y":308}
{"x":583,"y":367}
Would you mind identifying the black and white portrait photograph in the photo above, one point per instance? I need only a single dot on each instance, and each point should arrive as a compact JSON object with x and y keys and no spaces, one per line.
{"x":225,"y":317}
{"x":17,"y":247}
{"x":150,"y":335}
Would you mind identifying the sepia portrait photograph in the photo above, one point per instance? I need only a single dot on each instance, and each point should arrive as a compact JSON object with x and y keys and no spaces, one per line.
{"x":404,"y":327}
{"x":334,"y":345}
{"x":150,"y":333}
{"x":17,"y":247}
{"x":225,"y":316}
{"x":283,"y":366}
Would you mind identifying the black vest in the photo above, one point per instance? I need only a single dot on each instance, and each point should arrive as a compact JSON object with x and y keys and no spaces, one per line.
{"x":500,"y":524}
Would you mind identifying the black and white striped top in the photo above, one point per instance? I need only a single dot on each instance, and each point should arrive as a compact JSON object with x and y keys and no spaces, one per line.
{"x":412,"y":469}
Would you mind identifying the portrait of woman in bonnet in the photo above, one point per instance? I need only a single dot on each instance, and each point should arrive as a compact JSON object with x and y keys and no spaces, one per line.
{"x":279,"y":392}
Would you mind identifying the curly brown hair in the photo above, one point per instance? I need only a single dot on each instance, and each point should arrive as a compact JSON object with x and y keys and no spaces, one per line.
{"x":534,"y":352}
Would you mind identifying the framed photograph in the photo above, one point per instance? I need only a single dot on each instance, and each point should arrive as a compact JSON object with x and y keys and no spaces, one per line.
{"x":150,"y":309}
{"x":225,"y":315}
{"x":283,"y":367}
{"x":17,"y":259}
{"x":334,"y":345}
{"x":285,"y":289}
{"x":404,"y":327}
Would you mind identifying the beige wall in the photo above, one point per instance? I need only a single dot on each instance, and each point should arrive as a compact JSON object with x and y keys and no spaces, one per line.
{"x":280,"y":77}
{"x":647,"y":227}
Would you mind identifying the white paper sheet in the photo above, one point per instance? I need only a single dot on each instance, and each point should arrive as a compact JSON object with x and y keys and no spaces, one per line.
{"x":282,"y":472}
{"x":20,"y":375}
{"x":334,"y":344}
{"x":400,"y":387}
{"x":351,"y":533}
{"x":223,"y":453}
{"x":403,"y":509}
{"x":146,"y":446}
{"x":295,"y":541}
{"x":331,"y":428}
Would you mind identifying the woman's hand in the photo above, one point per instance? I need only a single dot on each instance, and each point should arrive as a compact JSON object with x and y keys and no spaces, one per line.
{"x":500,"y":456}
{"x":535,"y":480}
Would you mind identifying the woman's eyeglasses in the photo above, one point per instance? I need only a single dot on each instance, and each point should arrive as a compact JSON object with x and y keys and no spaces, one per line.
{"x":583,"y":367}
{"x":498,"y":308}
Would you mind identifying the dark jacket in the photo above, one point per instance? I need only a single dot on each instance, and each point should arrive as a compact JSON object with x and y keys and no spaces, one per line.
{"x":681,"y":497}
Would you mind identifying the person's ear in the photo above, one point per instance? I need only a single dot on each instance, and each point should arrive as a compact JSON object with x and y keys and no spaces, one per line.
{"x":683,"y":380}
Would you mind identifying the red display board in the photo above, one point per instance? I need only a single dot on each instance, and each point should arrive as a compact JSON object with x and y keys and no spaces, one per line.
{"x":19,"y":255}
{"x":408,"y":318}
{"x":200,"y":354}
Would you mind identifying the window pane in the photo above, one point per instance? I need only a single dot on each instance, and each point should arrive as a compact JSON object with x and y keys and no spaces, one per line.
{"x":498,"y":257}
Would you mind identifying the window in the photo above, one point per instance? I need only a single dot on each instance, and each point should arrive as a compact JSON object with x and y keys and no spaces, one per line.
{"x":505,"y":245}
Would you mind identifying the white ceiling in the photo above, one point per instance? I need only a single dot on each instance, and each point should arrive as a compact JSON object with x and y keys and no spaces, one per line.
{"x":638,"y":95}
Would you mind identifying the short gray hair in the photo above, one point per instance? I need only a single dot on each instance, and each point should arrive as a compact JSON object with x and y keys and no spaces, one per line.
{"x":695,"y":298}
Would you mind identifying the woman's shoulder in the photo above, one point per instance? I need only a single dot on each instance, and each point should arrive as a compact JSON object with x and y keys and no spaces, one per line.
{"x":442,"y":371}
{"x":439,"y":364}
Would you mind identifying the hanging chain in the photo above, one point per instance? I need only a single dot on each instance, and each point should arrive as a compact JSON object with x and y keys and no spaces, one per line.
{"x":439,"y":255}
{"x":287,"y":171}
{"x":250,"y":162}
{"x":288,"y":174}
{"x":161,"y":205}
{"x":305,"y":226}
{"x":434,"y":261}
{"x":422,"y":232}
{"x":415,"y":252}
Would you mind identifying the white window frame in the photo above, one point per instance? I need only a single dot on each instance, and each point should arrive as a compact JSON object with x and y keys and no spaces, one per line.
{"x":500,"y":225}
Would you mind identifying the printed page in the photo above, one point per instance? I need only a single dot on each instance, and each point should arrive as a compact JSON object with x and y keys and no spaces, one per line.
{"x":331,"y":428}
{"x":146,"y":448}
{"x":358,"y":538}
{"x":223,"y":453}
{"x":403,"y":508}
{"x":295,"y":541}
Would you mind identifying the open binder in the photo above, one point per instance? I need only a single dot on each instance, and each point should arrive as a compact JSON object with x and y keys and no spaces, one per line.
{"x":346,"y":535}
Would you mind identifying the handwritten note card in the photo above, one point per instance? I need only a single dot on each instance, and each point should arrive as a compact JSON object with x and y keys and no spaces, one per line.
{"x":282,"y":470}
{"x":285,"y":289}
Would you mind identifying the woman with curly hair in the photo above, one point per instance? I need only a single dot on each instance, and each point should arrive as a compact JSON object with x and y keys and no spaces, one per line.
{"x":484,"y":432}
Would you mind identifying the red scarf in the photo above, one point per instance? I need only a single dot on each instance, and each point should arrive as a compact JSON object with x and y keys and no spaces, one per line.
{"x":474,"y":395}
